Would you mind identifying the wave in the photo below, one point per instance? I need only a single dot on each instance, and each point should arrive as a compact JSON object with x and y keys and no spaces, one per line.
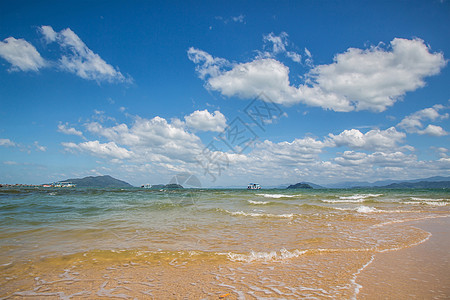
{"x":344,"y":201}
{"x":431,"y":203}
{"x":360,"y":196}
{"x":260,"y":215}
{"x":281,"y":255}
{"x":276,"y":196}
{"x":426,"y":199}
{"x":258,"y":202}
{"x":366,"y":209}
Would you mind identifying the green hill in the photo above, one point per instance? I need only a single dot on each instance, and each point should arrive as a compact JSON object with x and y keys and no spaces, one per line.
{"x":299,"y":186}
{"x":99,"y":182}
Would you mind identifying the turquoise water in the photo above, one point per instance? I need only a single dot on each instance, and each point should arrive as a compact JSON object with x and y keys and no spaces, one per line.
{"x":234,"y":226}
{"x":45,"y":221}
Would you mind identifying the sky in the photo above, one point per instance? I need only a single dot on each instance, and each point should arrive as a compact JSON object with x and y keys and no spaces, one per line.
{"x":232,"y":92}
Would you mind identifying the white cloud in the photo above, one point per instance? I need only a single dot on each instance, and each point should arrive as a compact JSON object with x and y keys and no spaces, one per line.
{"x":297,"y":151}
{"x":373,"y":140}
{"x":414,"y":122}
{"x":63,"y":128}
{"x":376,"y":159}
{"x":433,"y":130}
{"x":370,"y":79}
{"x":81,"y":60}
{"x":279,"y":43}
{"x":153,"y":139}
{"x":7,"y":143}
{"x":294,"y":56}
{"x":205,"y":121}
{"x":239,"y":19}
{"x":309,"y":60}
{"x":21,"y":55}
{"x":207,"y":65}
{"x":374,"y":78}
{"x":39,"y":147}
{"x":49,"y":34}
{"x":248,"y":80}
{"x":106,"y":150}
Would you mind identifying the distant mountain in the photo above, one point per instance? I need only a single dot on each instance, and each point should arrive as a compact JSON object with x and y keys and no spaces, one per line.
{"x":285,"y":185}
{"x":299,"y":186}
{"x":100,"y":182}
{"x":383,"y":183}
{"x":314,"y":186}
{"x":419,"y":185}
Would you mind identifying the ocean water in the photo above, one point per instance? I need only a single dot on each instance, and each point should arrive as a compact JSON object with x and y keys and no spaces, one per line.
{"x":73,"y":243}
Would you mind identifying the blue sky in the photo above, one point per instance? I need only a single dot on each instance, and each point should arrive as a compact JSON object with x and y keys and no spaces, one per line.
{"x":232,"y":92}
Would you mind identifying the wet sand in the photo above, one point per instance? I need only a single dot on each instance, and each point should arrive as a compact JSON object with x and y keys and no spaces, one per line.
{"x":418,"y":272}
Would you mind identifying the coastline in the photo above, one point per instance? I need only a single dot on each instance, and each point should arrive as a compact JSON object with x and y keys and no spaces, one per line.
{"x":417,"y":272}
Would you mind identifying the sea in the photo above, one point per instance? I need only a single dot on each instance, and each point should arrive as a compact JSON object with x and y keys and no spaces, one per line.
{"x":88,"y":243}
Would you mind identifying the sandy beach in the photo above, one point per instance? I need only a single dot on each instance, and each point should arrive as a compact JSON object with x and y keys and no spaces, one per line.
{"x":418,"y":272}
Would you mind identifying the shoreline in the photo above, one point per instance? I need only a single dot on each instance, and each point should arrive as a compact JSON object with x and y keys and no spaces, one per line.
{"x":419,"y":271}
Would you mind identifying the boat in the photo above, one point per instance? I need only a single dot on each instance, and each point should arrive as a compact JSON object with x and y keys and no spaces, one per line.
{"x":253,"y":186}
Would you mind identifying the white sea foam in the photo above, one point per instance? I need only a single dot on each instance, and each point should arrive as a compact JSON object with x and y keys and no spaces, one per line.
{"x":344,"y":201}
{"x":281,"y":255}
{"x":355,"y":276}
{"x":366,"y":209}
{"x":276,"y":196}
{"x":426,"y":199}
{"x":411,"y":245}
{"x":261,"y":215}
{"x":258,"y":202}
{"x":360,"y":196}
{"x":431,"y":203}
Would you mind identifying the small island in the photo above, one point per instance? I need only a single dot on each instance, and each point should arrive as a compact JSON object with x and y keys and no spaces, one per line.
{"x":99,"y":182}
{"x":299,"y":185}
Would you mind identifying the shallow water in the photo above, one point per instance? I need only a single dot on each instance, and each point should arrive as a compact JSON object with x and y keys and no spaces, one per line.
{"x":74,"y":243}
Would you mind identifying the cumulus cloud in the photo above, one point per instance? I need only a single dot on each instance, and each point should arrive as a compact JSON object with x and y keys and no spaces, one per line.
{"x":358,"y":79}
{"x":7,"y":143}
{"x":153,"y":139}
{"x":81,"y":60}
{"x":64,"y":128}
{"x":375,"y":78}
{"x":372,"y":140}
{"x":105,"y":150}
{"x":160,"y":146}
{"x":203,"y":120}
{"x":295,"y":152}
{"x":433,"y":130}
{"x":378,"y":159}
{"x":414,"y":122}
{"x":248,"y":80}
{"x":21,"y":55}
